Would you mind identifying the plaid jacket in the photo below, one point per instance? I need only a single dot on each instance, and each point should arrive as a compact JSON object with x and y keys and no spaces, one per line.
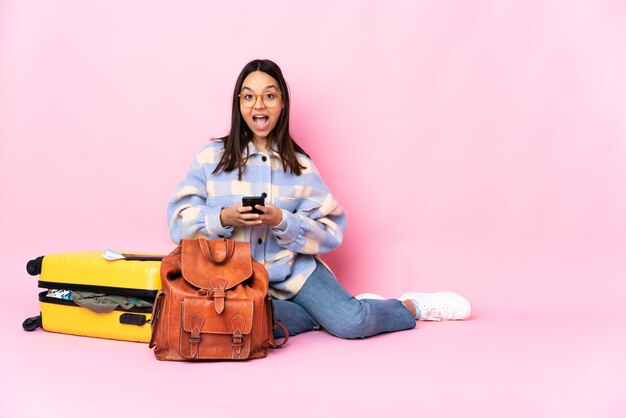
{"x":313,"y":221}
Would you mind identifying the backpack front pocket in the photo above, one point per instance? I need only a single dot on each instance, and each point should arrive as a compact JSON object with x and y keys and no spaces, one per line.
{"x":207,"y":333}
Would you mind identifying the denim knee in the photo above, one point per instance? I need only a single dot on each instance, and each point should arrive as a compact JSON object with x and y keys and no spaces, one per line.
{"x":370,"y":317}
{"x":349,"y":326}
{"x":293,"y":317}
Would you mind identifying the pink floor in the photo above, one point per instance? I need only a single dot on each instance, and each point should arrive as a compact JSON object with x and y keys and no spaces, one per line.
{"x":505,"y":362}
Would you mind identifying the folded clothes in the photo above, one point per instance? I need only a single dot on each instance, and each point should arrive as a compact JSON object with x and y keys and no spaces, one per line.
{"x":59,"y":294}
{"x":103,"y":303}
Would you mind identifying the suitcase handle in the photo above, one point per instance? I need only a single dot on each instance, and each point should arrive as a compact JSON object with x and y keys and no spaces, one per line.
{"x":142,"y":257}
{"x":132,"y":319}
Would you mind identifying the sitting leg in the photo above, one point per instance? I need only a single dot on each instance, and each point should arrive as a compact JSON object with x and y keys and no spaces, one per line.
{"x":331,"y":306}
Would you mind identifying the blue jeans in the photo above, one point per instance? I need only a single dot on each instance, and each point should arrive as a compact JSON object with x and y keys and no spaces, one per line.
{"x":322,"y":301}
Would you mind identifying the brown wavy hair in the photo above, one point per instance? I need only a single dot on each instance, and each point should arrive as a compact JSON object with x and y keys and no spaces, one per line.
{"x":236,"y":142}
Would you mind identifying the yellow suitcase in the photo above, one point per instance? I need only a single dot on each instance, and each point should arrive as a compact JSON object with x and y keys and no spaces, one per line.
{"x":134,"y":276}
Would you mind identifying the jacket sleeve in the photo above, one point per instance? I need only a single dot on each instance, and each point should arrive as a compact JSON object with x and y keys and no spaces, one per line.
{"x":317,"y":221}
{"x":190,"y":214}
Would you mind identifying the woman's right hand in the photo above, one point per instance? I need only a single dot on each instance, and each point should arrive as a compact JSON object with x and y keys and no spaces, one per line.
{"x":238,"y":216}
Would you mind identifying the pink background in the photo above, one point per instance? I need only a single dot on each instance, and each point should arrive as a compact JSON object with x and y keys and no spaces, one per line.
{"x":476,"y":146}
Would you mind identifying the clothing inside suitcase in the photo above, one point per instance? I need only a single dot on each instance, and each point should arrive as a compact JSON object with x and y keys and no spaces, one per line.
{"x":124,"y":322}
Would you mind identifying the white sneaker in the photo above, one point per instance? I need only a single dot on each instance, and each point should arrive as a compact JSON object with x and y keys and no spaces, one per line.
{"x":369,"y":296}
{"x":440,"y":306}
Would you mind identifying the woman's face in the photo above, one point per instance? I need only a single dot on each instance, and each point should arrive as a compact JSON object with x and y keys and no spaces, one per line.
{"x":260,"y":103}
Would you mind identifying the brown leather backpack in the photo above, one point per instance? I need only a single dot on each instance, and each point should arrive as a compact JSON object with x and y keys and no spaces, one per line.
{"x":213,"y":304}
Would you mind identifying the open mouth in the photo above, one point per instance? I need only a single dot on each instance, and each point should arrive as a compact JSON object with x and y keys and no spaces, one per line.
{"x":260,"y":122}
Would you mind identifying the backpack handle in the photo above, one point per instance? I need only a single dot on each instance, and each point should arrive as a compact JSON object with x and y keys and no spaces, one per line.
{"x":206,"y":251}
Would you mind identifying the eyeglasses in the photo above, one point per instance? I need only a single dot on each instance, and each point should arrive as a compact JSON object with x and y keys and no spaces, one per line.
{"x":270,"y":98}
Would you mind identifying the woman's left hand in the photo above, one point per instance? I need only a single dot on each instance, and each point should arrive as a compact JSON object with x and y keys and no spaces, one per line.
{"x":272,"y":215}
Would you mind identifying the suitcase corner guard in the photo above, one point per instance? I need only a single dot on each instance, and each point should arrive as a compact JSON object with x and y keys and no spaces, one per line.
{"x":32,"y":323}
{"x":33,"y":267}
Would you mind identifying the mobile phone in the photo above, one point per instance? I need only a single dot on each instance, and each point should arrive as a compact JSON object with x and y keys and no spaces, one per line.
{"x":253,"y":200}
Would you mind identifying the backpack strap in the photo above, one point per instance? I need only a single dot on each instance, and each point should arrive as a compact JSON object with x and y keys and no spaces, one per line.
{"x":276,"y":323}
{"x":156,"y":312}
{"x":285,"y":338}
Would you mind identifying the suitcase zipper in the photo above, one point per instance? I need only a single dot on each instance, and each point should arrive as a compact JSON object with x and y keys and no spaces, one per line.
{"x":138,"y":293}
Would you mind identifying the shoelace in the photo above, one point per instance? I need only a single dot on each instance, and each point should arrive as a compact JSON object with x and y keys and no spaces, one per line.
{"x":437,"y":312}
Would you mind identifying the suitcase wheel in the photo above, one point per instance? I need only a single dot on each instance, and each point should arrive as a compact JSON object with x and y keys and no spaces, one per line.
{"x":32,"y":324}
{"x":33,"y":267}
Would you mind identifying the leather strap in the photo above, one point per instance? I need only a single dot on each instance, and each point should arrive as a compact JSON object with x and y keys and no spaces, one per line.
{"x":205,"y":248}
{"x":275,"y":322}
{"x":156,"y":313}
{"x":218,"y":291}
{"x":195,"y":321}
{"x":237,"y":323}
{"x":285,"y":338}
